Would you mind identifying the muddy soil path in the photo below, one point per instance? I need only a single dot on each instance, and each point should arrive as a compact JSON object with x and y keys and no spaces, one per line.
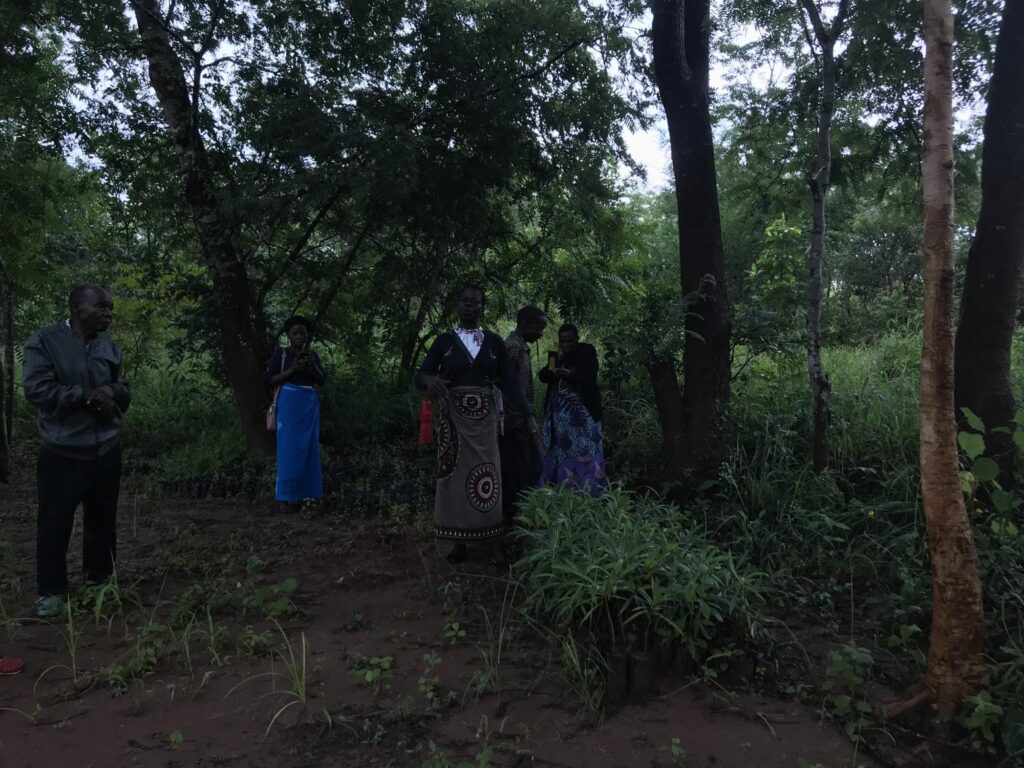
{"x":243,"y":636}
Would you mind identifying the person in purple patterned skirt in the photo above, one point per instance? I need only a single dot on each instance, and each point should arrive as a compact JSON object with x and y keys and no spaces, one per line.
{"x":573,"y":432}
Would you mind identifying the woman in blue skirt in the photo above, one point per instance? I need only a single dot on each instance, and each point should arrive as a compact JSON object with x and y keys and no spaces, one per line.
{"x":297,"y":370}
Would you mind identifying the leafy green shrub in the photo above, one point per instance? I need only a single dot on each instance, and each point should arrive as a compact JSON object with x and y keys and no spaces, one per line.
{"x":360,"y":403}
{"x":846,"y":679}
{"x":181,"y":422}
{"x":627,"y":567}
{"x":981,"y":717}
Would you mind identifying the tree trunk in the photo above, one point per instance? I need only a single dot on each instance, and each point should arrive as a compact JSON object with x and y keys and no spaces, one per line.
{"x":5,"y":445}
{"x":681,"y":38}
{"x":955,"y":668}
{"x":819,"y":183}
{"x":669,"y":402}
{"x":989,"y":306}
{"x":8,"y":384}
{"x":243,"y":340}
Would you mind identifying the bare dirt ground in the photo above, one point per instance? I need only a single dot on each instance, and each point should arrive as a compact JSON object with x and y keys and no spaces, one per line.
{"x":365,"y":666}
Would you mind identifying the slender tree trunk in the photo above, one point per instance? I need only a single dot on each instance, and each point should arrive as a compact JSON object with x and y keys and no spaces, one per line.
{"x":989,"y":307}
{"x":8,"y":384}
{"x":5,"y":445}
{"x":669,"y":401}
{"x":243,"y":340}
{"x":681,"y":37}
{"x":6,"y":374}
{"x":819,"y":183}
{"x":955,"y":667}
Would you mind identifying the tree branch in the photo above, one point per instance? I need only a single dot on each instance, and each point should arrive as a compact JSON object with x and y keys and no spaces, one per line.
{"x":811,"y":9}
{"x":332,"y":291}
{"x":298,"y":247}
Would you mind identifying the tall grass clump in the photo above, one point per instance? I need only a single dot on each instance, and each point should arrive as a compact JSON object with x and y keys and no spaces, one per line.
{"x":862,"y":518}
{"x":626,"y":571}
{"x":632,"y":438}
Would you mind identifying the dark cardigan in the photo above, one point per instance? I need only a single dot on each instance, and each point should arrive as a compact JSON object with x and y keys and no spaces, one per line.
{"x":449,"y":359}
{"x":306,"y":378}
{"x":582,"y":366}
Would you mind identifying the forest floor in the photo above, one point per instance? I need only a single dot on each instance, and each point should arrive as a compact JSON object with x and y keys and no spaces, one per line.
{"x":400,"y":660}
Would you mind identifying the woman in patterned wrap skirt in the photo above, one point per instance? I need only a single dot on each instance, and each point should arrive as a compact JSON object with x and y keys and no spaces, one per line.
{"x":468,"y":372}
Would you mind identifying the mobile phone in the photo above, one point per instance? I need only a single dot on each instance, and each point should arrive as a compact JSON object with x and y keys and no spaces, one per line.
{"x":552,"y":360}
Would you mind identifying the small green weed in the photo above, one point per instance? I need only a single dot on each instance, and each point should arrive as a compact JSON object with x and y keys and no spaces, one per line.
{"x":454,"y":633}
{"x":273,"y":601}
{"x":676,"y":754}
{"x":254,"y":643}
{"x":429,"y":684}
{"x":374,"y":671}
{"x":108,"y":600}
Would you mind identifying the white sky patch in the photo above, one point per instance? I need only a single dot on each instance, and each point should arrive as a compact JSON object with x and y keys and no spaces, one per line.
{"x":650,"y":149}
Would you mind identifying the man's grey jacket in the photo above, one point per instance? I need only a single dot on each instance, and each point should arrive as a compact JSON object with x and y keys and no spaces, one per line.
{"x":60,"y":371}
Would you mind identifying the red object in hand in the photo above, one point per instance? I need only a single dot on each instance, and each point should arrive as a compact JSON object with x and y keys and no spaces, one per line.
{"x":426,"y":422}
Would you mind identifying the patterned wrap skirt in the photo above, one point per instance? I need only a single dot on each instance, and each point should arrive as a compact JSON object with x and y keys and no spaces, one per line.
{"x":467,"y":504}
{"x":575,"y":445}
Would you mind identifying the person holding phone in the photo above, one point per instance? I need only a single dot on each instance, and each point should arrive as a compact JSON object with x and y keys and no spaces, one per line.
{"x":573,"y":431}
{"x":296,"y":372}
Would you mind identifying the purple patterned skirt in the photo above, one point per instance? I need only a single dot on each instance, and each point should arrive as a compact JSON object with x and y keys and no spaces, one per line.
{"x":575,"y":445}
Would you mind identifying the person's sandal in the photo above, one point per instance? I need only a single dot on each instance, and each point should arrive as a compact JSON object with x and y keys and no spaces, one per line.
{"x":50,"y":606}
{"x":9,"y":665}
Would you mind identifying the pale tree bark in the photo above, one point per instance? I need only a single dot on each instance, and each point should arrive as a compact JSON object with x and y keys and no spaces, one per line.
{"x":955,"y":666}
{"x":990,"y":302}
{"x":681,"y":40}
{"x":819,"y":181}
{"x":243,"y":340}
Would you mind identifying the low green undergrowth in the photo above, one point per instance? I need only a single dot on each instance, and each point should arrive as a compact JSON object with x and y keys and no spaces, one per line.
{"x":627,"y":571}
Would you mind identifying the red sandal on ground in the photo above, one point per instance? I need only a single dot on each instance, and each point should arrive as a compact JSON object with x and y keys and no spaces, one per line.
{"x":9,"y":665}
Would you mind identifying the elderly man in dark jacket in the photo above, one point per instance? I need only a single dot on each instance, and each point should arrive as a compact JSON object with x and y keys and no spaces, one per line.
{"x":72,"y":375}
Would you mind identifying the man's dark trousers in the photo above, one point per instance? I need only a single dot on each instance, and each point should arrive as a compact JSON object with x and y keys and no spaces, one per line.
{"x":520,"y":468}
{"x":63,"y":484}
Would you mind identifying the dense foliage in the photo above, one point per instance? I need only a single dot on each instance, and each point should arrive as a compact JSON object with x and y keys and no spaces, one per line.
{"x":370,"y":158}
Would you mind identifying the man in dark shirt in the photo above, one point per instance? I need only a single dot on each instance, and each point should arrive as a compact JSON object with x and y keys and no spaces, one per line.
{"x":72,"y":376}
{"x":520,"y":446}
